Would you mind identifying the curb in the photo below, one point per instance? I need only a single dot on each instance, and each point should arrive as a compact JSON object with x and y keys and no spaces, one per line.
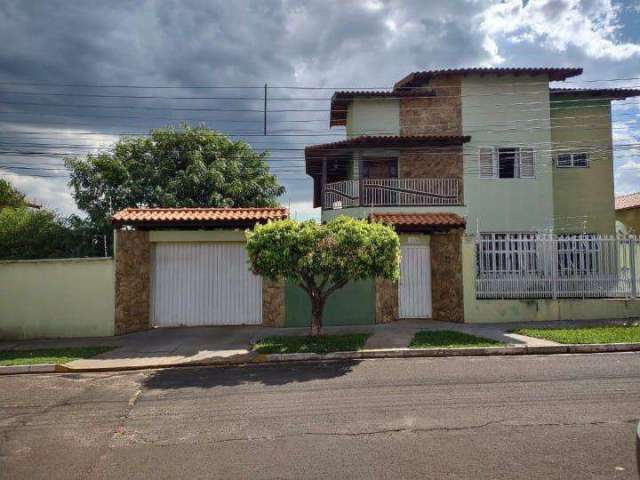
{"x":37,"y":368}
{"x":253,"y":358}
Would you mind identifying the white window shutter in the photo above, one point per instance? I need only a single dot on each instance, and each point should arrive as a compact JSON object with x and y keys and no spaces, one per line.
{"x":487,"y":164}
{"x":527,"y":163}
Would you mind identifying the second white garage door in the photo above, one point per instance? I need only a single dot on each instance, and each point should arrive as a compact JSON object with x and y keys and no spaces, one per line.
{"x":204,"y":284}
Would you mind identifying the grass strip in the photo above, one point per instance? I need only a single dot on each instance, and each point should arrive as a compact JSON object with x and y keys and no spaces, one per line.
{"x":306,"y":344}
{"x":48,"y":355}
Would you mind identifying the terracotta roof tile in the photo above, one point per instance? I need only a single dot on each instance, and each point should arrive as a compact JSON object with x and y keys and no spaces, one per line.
{"x":604,"y":93}
{"x":433,"y":220}
{"x":624,"y":202}
{"x":195,"y":216}
{"x":392,"y":141}
{"x":555,"y":74}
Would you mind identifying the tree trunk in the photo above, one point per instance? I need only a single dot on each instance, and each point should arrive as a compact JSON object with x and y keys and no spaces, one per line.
{"x":317,"y":306}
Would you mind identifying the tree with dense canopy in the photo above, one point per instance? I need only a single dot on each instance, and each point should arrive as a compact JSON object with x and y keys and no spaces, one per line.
{"x":28,"y":233}
{"x":324,"y":258}
{"x":186,"y":167}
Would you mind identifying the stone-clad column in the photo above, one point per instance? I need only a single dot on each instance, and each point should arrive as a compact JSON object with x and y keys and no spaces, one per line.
{"x":446,"y":276}
{"x":133,"y":281}
{"x":386,"y":300}
{"x":273,"y":303}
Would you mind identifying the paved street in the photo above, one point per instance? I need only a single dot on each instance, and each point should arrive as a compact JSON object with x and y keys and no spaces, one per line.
{"x":543,"y":417}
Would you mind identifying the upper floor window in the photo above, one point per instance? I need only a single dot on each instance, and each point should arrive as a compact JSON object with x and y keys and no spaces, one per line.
{"x":569,"y":159}
{"x":507,"y":162}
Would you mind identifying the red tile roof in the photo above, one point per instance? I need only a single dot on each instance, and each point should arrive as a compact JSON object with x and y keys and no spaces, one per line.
{"x":623,"y":202}
{"x":197,"y":216}
{"x":392,"y":141}
{"x":555,"y":74}
{"x":605,"y":93}
{"x":418,"y":221}
{"x":340,"y":100}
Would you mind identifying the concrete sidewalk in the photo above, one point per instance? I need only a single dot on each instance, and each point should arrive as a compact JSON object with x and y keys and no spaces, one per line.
{"x":180,"y":346}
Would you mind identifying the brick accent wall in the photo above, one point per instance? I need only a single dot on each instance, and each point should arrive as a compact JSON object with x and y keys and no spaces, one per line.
{"x":430,"y":162}
{"x":273,"y":303}
{"x":133,"y":281}
{"x":446,"y":276}
{"x":438,"y":115}
{"x":386,"y":301}
{"x":435,"y":162}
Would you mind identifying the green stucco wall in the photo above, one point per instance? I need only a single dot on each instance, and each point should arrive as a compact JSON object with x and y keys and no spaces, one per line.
{"x":507,"y":111}
{"x":352,"y":305}
{"x":630,"y":219}
{"x":57,"y":298}
{"x":373,"y":117}
{"x":583,"y":198}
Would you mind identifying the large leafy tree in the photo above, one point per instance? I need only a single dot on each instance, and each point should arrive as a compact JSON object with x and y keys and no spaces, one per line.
{"x":172,"y":167}
{"x":323,"y":258}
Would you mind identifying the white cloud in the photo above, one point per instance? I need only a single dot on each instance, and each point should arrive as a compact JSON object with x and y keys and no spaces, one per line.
{"x":560,"y":24}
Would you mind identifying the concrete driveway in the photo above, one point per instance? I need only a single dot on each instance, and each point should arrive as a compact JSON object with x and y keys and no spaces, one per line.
{"x":174,"y":346}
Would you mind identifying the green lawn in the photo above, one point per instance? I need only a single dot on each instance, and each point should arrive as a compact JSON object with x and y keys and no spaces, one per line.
{"x":449,"y":339}
{"x":304,"y":344}
{"x":49,"y":355}
{"x":604,"y":334}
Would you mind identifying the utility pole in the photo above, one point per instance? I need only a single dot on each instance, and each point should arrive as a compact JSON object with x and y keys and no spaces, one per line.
{"x":265,"y":109}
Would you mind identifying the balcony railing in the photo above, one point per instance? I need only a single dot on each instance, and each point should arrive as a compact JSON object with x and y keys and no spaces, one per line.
{"x":392,"y":192}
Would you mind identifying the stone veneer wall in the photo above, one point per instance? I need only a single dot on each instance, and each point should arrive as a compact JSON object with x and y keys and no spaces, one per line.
{"x":133,"y":281}
{"x":438,"y":115}
{"x":446,"y":276}
{"x":434,"y":162}
{"x":386,"y":301}
{"x":273,"y":303}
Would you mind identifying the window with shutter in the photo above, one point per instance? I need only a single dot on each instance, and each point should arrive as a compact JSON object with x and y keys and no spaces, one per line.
{"x":487,"y":163}
{"x":527,"y":162}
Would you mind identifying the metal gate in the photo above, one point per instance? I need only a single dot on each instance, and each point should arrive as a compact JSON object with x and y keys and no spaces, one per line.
{"x":414,"y":290}
{"x":204,"y":284}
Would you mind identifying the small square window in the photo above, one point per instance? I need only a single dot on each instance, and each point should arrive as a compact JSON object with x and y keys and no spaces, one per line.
{"x":568,"y":160}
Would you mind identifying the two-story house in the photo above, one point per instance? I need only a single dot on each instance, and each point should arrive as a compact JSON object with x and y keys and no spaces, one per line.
{"x":491,"y":152}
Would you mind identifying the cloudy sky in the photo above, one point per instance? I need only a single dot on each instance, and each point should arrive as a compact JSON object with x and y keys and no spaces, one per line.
{"x":64,"y":66}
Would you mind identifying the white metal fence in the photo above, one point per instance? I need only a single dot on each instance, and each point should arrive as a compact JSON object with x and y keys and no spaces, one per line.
{"x":556,"y":266}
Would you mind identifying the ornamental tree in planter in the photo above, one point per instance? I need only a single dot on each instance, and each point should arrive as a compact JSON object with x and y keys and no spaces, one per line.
{"x":322,"y":258}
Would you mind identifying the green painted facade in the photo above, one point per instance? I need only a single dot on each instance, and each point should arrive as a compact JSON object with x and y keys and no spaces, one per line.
{"x":583,"y":197}
{"x":373,"y":117}
{"x":352,"y":305}
{"x":507,"y":111}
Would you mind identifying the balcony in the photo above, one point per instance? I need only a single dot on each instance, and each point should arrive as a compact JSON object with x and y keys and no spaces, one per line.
{"x":392,"y":192}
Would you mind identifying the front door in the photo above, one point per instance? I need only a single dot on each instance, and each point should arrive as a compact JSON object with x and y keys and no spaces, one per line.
{"x":414,"y":289}
{"x":377,"y":174}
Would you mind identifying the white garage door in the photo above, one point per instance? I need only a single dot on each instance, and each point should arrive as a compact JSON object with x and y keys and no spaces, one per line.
{"x":204,"y":284}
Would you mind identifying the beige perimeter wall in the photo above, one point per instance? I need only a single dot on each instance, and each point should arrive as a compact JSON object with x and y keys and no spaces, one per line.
{"x":56,"y":298}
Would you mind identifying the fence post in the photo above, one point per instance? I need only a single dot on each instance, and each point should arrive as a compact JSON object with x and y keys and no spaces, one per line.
{"x":554,"y":266}
{"x":632,"y":266}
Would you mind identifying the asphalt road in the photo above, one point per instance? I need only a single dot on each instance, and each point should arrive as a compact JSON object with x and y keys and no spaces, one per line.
{"x":534,"y":417}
